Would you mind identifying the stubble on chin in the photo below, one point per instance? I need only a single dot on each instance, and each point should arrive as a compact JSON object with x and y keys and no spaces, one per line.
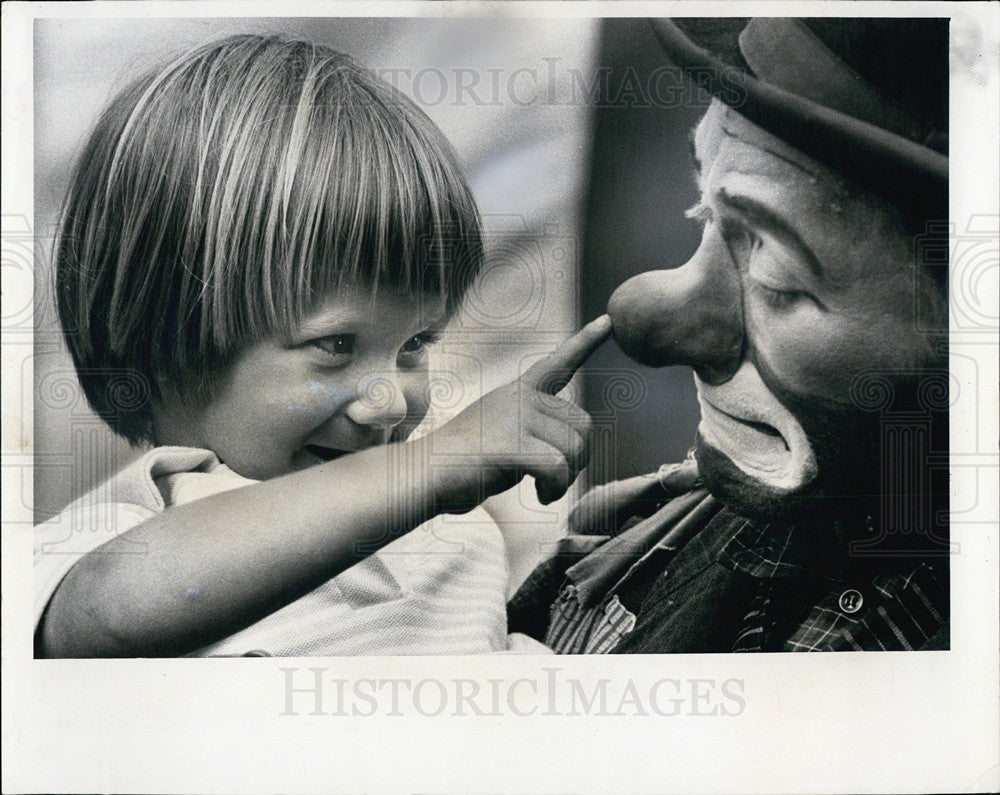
{"x":741,"y":493}
{"x":846,"y":486}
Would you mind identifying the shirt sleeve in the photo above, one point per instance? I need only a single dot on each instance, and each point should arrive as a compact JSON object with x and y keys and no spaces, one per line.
{"x":140,"y":491}
{"x":60,"y":542}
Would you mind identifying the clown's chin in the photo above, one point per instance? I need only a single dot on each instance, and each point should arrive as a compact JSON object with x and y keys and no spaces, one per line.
{"x":744,"y":494}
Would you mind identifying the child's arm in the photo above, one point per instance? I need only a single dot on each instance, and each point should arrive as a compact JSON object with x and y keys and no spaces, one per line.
{"x":217,"y":565}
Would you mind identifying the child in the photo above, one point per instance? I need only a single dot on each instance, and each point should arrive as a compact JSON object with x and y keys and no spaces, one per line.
{"x":266,"y":239}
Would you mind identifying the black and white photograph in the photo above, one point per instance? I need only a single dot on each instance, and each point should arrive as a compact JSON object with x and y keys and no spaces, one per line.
{"x":452,"y":396}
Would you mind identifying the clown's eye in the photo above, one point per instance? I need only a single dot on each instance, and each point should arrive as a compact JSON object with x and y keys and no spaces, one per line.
{"x":775,"y":275}
{"x":780,"y":299}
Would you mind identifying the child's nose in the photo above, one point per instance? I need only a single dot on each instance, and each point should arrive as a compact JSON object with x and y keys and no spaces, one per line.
{"x":380,"y":402}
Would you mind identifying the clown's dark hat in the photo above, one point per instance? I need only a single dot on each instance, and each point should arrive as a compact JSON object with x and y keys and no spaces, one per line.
{"x":867,"y":97}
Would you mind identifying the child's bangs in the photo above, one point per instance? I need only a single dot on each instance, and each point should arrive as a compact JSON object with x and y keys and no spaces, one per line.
{"x":370,"y":194}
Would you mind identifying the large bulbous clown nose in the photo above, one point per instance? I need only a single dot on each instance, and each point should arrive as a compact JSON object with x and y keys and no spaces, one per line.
{"x":689,"y":315}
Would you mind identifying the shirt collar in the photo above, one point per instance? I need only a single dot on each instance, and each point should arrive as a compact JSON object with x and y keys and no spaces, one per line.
{"x":599,"y":573}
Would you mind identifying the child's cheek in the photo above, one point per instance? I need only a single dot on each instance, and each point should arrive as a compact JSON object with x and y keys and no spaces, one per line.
{"x":419,"y":397}
{"x":314,"y":399}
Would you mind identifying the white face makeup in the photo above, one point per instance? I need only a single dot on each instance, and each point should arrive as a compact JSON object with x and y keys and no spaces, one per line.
{"x":353,"y":374}
{"x":744,"y":421}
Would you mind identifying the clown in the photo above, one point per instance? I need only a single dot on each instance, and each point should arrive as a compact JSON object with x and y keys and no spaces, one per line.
{"x":821,"y":169}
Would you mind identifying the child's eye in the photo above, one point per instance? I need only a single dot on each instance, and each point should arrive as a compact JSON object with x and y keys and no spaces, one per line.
{"x":419,"y":343}
{"x":337,"y":344}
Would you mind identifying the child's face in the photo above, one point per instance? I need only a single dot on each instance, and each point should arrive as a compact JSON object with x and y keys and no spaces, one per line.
{"x":353,"y":370}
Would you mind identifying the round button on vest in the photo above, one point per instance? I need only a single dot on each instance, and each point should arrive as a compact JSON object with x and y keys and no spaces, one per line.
{"x":851,"y":601}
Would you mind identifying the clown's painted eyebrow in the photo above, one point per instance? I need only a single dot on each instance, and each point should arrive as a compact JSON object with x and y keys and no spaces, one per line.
{"x":763,"y":217}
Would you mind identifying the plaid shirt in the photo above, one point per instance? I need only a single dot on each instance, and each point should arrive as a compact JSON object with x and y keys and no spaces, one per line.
{"x":695,"y":577}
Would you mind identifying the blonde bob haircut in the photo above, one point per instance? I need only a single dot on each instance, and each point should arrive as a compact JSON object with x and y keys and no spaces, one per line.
{"x":219,"y":198}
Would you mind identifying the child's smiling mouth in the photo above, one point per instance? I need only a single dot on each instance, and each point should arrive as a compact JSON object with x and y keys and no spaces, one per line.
{"x":324,"y":454}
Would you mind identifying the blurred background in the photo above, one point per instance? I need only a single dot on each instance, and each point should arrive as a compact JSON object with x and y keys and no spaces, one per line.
{"x":640,"y":180}
{"x":572,"y":134}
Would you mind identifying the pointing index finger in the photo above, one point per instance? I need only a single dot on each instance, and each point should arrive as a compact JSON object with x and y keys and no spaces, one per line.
{"x":555,"y":371}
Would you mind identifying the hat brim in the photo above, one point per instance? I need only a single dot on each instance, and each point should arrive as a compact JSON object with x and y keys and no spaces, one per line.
{"x":907,"y":173}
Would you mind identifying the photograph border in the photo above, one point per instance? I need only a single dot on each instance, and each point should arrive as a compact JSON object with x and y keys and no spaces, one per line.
{"x":862,"y":722}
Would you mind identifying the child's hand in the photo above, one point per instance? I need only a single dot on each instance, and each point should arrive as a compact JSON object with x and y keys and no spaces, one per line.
{"x":519,"y":429}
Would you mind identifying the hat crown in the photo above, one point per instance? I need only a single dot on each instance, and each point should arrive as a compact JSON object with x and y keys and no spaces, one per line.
{"x":899,"y":66}
{"x":787,"y":53}
{"x":905,"y":59}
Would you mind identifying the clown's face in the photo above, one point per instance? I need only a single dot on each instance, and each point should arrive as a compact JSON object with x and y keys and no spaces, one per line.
{"x":801,"y":292}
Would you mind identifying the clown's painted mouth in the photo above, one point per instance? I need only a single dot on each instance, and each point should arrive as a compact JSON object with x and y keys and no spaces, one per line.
{"x":744,"y":421}
{"x":760,"y":427}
